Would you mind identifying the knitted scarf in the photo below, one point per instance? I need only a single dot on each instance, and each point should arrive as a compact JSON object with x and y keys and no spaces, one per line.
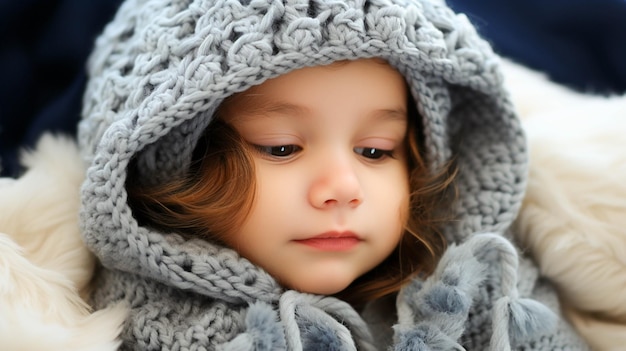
{"x":156,"y":76}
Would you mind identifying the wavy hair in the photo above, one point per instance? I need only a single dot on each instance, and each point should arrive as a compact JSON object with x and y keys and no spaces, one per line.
{"x":217,"y":193}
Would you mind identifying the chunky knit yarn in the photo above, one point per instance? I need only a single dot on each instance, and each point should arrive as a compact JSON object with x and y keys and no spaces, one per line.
{"x":157,"y":74}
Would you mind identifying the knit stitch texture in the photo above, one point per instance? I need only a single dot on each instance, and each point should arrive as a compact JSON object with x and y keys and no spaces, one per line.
{"x":157,"y":74}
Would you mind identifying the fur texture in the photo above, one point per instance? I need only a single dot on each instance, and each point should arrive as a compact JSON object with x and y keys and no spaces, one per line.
{"x":573,"y":218}
{"x":44,"y":266}
{"x":572,"y":221}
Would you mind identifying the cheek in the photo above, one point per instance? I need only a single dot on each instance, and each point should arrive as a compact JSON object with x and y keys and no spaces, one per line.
{"x":275,"y":187}
{"x":275,"y":196}
{"x":404,"y":202}
{"x":393,"y":192}
{"x":403,"y":212}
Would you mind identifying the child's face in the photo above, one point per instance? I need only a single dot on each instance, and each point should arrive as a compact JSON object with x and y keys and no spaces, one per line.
{"x":332,"y":179}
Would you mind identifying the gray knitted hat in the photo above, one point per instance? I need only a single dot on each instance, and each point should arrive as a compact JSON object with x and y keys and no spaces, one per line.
{"x":156,"y":76}
{"x":160,"y":70}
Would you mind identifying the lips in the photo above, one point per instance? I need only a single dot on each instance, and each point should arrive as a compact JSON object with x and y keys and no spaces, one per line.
{"x":332,"y":241}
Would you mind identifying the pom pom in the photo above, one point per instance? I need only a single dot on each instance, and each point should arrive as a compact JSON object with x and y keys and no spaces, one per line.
{"x":529,"y":319}
{"x":447,"y":300}
{"x":263,"y":331}
{"x":517,"y":321}
{"x":319,"y":331}
{"x":422,"y":337}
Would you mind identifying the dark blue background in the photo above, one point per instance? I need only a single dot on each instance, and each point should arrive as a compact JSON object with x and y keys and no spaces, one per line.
{"x":43,"y":48}
{"x":44,"y":45}
{"x":579,"y":43}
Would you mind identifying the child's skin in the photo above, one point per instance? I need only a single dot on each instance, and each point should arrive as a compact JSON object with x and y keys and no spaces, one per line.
{"x":330,"y":161}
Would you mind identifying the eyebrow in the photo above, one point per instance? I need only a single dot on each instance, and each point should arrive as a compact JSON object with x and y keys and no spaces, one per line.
{"x":259,"y":108}
{"x":289,"y":109}
{"x":284,"y":108}
{"x":399,"y":113}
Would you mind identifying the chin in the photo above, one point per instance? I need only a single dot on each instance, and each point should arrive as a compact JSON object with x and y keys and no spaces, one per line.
{"x":324,"y":285}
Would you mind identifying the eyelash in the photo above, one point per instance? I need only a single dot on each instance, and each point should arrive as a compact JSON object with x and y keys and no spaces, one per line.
{"x":375,"y":153}
{"x":278,"y":151}
{"x":285,"y":151}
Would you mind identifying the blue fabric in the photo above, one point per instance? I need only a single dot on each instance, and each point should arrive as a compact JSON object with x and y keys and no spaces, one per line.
{"x":44,"y":44}
{"x":43,"y":48}
{"x":579,"y":43}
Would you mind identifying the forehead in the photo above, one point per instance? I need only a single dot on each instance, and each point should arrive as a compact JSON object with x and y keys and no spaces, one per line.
{"x":367,"y":83}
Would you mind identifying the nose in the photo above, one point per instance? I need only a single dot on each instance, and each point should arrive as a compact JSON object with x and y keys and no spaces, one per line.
{"x":336,"y":184}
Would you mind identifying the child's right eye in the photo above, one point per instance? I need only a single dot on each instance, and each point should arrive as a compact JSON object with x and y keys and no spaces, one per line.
{"x":279,"y":151}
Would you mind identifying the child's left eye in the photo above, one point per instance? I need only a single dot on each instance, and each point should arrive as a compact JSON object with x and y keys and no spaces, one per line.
{"x":372,"y":152}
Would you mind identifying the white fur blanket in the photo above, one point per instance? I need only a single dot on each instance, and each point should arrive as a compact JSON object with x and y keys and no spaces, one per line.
{"x":573,"y":221}
{"x":44,"y":267}
{"x":574,"y":216}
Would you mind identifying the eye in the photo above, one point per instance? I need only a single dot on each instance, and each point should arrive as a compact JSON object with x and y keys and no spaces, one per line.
{"x":279,"y":151}
{"x":373,"y":153}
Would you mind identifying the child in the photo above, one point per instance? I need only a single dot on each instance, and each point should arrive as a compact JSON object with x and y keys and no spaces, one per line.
{"x":270,"y":175}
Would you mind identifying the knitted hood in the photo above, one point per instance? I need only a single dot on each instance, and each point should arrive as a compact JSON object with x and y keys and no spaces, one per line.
{"x":161,"y":68}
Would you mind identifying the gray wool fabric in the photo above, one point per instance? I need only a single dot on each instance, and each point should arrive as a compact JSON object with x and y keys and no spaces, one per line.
{"x":157,"y":74}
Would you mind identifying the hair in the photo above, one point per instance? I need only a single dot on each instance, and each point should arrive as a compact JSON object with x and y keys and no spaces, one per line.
{"x":211,"y":200}
{"x":215,"y":196}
